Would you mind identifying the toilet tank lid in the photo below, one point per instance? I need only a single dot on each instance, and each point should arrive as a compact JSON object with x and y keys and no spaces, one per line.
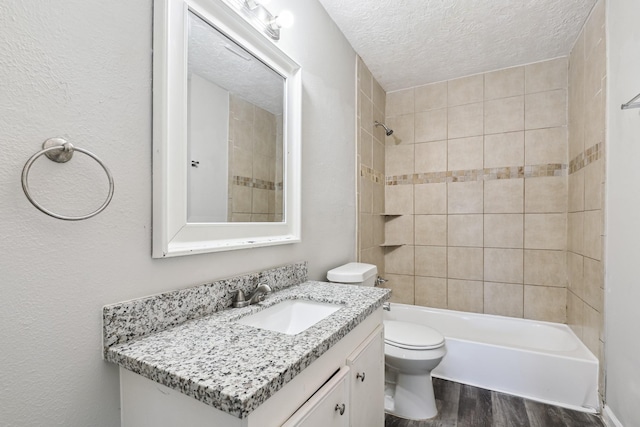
{"x":354,"y":272}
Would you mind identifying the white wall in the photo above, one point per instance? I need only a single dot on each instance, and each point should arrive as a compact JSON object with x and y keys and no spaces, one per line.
{"x":622,"y":242}
{"x":82,"y":69}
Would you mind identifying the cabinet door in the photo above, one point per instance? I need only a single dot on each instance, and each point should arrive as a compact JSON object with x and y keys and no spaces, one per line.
{"x":328,"y":407}
{"x":367,"y":381}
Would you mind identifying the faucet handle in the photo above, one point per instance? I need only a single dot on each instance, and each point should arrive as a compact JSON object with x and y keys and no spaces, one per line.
{"x":239,"y":299}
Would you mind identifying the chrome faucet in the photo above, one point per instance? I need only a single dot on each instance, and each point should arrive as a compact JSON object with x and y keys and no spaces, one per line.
{"x":258,"y":295}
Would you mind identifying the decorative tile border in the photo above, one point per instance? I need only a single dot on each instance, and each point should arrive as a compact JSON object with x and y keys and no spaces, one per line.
{"x":245,"y":181}
{"x":128,"y":320}
{"x":371,"y":174}
{"x":587,"y":157}
{"x":488,"y":174}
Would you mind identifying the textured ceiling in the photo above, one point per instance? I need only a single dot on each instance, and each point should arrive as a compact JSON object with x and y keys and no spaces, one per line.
{"x":414,"y":42}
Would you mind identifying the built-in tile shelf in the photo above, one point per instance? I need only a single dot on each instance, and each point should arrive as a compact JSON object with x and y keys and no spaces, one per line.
{"x":391,"y":245}
{"x":389,"y":214}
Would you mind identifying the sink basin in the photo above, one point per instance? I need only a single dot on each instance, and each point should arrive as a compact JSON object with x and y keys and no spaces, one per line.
{"x":291,"y":316}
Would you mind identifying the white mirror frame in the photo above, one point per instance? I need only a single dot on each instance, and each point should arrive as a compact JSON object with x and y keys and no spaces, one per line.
{"x":172,"y":234}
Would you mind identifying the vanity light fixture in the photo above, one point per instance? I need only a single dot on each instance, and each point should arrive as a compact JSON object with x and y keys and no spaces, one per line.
{"x":256,"y":12}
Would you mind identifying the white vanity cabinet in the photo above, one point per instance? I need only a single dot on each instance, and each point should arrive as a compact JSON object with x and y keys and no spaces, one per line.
{"x":366,"y":381}
{"x":308,"y":400}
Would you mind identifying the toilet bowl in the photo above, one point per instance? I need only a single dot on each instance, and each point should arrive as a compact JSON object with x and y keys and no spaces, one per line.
{"x":411,"y":352}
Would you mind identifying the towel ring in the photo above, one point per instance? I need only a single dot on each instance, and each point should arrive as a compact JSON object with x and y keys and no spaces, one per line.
{"x":61,"y":151}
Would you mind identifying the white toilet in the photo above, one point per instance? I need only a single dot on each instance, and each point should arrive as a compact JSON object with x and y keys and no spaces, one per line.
{"x":411,"y":352}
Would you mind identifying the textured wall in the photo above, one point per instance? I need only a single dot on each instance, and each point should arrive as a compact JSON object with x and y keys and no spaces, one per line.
{"x":587,"y":100}
{"x":622,"y":237}
{"x":476,"y":171}
{"x":82,"y":69}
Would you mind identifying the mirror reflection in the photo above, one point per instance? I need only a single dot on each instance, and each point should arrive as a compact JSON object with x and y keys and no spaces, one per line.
{"x":235,"y":131}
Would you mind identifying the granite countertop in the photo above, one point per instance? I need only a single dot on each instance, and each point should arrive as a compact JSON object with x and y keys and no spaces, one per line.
{"x":234,"y":367}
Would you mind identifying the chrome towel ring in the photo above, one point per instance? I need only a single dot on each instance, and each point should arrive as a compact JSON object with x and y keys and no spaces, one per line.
{"x":61,"y":151}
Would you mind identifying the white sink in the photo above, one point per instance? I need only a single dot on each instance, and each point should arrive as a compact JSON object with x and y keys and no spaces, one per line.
{"x":291,"y":316}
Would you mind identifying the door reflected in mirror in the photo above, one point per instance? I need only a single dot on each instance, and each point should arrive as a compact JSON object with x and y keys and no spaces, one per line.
{"x":234,"y":133}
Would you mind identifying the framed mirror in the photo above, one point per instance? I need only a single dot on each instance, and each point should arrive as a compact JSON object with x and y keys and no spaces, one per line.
{"x":226,"y":132}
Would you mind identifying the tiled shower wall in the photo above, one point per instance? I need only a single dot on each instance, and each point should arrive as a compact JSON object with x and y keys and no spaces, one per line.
{"x":476,"y":172}
{"x":371,"y":107}
{"x":255,"y":172}
{"x":587,"y":97}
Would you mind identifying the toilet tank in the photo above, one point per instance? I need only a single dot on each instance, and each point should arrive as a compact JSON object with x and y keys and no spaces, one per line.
{"x":354,"y":273}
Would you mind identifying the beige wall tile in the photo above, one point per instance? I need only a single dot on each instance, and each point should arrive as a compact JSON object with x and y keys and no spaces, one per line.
{"x":379,"y":96}
{"x":576,"y":98}
{"x":431,"y":125}
{"x":431,"y":292}
{"x":378,"y":131}
{"x":545,"y":268}
{"x":545,"y":146}
{"x":431,"y":261}
{"x":402,"y":288}
{"x":547,"y":75}
{"x":593,"y":185}
{"x":430,"y":157}
{"x":379,"y":223}
{"x":545,"y":231}
{"x":364,"y":79}
{"x":465,"y":153}
{"x":365,"y":230}
{"x":575,"y":309}
{"x":504,"y":83}
{"x":545,"y":303}
{"x":403,"y":129}
{"x":466,"y":90}
{"x":242,"y":199}
{"x":400,"y":102}
{"x":399,"y":199}
{"x":595,"y":71}
{"x":503,"y":265}
{"x":366,"y":114}
{"x":575,"y":232}
{"x":465,"y":120}
{"x":378,"y":156}
{"x":591,"y":328}
{"x":594,"y":120}
{"x":504,"y":196}
{"x":431,"y":230}
{"x":576,"y":191}
{"x":575,"y":273}
{"x":504,"y":299}
{"x":465,"y":295}
{"x":503,"y":230}
{"x":465,"y":230}
{"x":375,"y":256}
{"x":465,"y":197}
{"x":260,"y":202}
{"x":594,"y":31}
{"x":378,"y":198}
{"x":399,"y":159}
{"x":399,"y":230}
{"x":593,"y":234}
{"x":465,"y":263}
{"x":504,"y":149}
{"x":545,"y":194}
{"x":366,"y":195}
{"x":504,"y":115}
{"x":593,"y":284}
{"x":399,"y":260}
{"x":366,"y":148}
{"x":545,"y":109}
{"x":430,"y":198}
{"x":431,"y":97}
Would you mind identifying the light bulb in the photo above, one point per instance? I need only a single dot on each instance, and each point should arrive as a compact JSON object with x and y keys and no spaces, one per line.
{"x":284,"y":19}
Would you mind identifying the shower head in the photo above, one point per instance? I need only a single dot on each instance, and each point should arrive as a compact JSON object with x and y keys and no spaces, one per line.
{"x":386,"y":129}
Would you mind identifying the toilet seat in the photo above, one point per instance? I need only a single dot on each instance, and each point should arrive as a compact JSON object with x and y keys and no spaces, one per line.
{"x":411,"y":336}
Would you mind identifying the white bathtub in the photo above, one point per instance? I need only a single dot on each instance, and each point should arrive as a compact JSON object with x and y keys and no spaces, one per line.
{"x":536,"y":360}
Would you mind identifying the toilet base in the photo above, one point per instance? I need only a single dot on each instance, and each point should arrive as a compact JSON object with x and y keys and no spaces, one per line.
{"x":413,"y":398}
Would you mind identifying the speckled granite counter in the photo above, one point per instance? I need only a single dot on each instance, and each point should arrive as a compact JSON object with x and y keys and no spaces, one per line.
{"x":234,"y":367}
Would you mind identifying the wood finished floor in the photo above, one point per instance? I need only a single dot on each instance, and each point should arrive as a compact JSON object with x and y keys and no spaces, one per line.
{"x":461,"y":405}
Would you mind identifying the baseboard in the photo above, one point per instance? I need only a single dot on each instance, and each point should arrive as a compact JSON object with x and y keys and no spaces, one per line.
{"x":609,"y":418}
